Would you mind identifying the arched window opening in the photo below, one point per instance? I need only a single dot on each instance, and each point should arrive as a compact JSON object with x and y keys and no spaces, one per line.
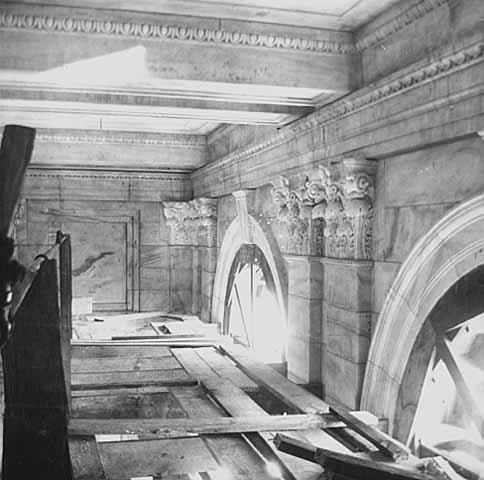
{"x":449,"y":418}
{"x":252,"y":314}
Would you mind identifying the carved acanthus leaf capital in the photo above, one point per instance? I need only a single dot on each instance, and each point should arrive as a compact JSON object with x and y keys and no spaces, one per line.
{"x":193,"y":222}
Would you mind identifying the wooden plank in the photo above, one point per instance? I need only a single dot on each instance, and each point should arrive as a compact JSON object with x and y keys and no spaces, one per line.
{"x":288,"y":392}
{"x":193,"y":364}
{"x":386,"y":444}
{"x":238,"y":458}
{"x":127,"y":406}
{"x":131,"y":379}
{"x":225,"y":368}
{"x":82,"y":350}
{"x":471,"y":404}
{"x":124,"y":460}
{"x":85,"y":459}
{"x":354,"y":465}
{"x":36,"y":408}
{"x":122,"y":364}
{"x":179,"y":427}
{"x":15,"y":153}
{"x":119,"y":391}
{"x":161,"y":342}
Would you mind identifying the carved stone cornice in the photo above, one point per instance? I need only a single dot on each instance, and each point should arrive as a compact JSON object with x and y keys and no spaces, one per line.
{"x":414,"y":13}
{"x":357,"y":101}
{"x":330,"y":215}
{"x":368,"y":97}
{"x":120,"y":138}
{"x":63,"y":24}
{"x":193,"y":222}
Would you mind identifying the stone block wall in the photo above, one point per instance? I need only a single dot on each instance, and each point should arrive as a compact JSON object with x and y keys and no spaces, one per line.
{"x":120,"y":239}
{"x":414,"y":191}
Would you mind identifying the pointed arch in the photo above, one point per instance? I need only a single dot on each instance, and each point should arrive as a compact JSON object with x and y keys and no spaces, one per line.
{"x":231,"y":244}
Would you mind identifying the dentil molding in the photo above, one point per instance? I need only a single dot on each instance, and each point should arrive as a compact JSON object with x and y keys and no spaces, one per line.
{"x":121,"y":138}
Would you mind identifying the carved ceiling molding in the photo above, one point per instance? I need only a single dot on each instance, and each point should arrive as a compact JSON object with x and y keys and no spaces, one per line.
{"x":90,"y":175}
{"x":193,"y":222}
{"x":344,"y":107}
{"x":358,"y":101}
{"x":329,"y":214}
{"x":96,"y":138}
{"x":64,"y":24}
{"x":417,"y":11}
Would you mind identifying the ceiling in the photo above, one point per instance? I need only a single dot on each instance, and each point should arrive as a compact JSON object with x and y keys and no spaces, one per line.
{"x":53,"y":78}
{"x":327,"y":14}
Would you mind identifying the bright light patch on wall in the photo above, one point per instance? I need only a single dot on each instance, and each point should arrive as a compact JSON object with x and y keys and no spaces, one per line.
{"x":120,"y":67}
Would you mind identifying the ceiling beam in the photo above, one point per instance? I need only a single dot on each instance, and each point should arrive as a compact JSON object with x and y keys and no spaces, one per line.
{"x":49,"y":39}
{"x":147,"y":98}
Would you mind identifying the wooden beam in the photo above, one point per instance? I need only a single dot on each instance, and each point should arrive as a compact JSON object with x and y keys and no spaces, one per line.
{"x":87,"y":350}
{"x":361,"y":466}
{"x":386,"y":444}
{"x":122,"y":364}
{"x":181,"y":427}
{"x":280,"y":386}
{"x":92,"y":381}
{"x":15,"y":154}
{"x":471,"y":405}
{"x":36,"y":405}
{"x":85,"y":458}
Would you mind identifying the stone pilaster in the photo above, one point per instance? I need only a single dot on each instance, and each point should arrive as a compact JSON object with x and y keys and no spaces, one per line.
{"x":346,"y":325}
{"x":192,"y":244}
{"x":305,"y":346}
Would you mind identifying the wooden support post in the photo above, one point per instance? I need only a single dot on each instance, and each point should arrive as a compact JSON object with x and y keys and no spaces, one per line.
{"x":35,"y":421}
{"x":370,"y":466}
{"x":386,"y":444}
{"x":15,"y":153}
{"x":470,"y":403}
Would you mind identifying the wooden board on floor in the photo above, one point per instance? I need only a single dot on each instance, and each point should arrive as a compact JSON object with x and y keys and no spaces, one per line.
{"x":122,"y":364}
{"x":127,"y":406}
{"x":225,"y":368}
{"x":179,"y":427}
{"x":101,"y":350}
{"x":85,"y":459}
{"x":125,"y":379}
{"x":123,"y":460}
{"x":279,"y":385}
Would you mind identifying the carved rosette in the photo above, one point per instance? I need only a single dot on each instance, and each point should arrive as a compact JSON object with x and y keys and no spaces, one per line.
{"x":193,"y":222}
{"x":331,"y":215}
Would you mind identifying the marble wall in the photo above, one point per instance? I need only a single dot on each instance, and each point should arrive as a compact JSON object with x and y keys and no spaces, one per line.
{"x":335,"y":292}
{"x":413,"y":192}
{"x":122,"y":256}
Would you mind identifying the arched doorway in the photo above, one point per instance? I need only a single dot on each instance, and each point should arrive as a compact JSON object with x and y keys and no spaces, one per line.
{"x":444,"y":380}
{"x":425,"y":371}
{"x":267,"y":275}
{"x":252,"y":315}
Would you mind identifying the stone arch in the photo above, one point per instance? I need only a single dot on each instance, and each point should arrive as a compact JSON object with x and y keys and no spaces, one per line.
{"x":231,"y":244}
{"x":449,"y":250}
